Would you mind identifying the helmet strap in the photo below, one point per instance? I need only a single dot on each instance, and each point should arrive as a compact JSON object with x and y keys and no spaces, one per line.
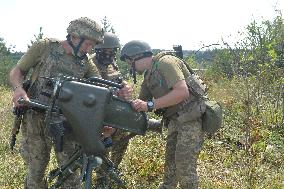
{"x":76,"y":48}
{"x":114,"y":65}
{"x":133,"y":72}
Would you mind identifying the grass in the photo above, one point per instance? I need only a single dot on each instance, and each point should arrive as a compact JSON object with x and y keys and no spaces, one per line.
{"x":226,"y":161}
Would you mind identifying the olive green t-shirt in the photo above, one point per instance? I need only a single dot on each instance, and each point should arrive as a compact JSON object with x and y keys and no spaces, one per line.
{"x":172,"y":70}
{"x":164,"y":74}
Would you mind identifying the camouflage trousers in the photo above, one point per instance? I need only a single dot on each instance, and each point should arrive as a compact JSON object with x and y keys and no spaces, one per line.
{"x":184,"y":142}
{"x":36,"y":148}
{"x":119,"y":148}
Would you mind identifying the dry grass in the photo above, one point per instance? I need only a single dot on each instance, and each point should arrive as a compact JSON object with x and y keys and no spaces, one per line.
{"x":223,"y":162}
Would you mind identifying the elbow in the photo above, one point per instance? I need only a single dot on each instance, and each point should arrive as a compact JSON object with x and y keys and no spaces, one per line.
{"x":12,"y":73}
{"x":182,"y":90}
{"x":183,"y":95}
{"x":15,"y":72}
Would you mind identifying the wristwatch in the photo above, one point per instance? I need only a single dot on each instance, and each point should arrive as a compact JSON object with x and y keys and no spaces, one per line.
{"x":150,"y":105}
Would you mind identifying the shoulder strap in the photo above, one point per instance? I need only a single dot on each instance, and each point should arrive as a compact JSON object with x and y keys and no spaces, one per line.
{"x":172,"y":53}
{"x":192,"y":80}
{"x":36,"y":70}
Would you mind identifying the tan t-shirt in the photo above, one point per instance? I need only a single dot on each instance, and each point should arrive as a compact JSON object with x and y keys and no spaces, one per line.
{"x":164,"y":74}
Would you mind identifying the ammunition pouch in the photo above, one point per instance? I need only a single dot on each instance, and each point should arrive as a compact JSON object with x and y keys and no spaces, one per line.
{"x":212,"y":118}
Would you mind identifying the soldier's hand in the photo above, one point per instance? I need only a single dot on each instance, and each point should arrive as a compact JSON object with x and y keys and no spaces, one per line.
{"x":139,"y":105}
{"x":126,"y":91}
{"x":108,"y":131}
{"x":18,"y":93}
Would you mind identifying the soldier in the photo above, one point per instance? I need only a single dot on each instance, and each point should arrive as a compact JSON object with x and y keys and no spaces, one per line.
{"x":105,"y":60}
{"x":53,"y":58}
{"x":166,"y":86}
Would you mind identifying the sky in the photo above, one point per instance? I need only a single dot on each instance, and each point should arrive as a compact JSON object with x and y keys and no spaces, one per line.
{"x":161,"y":23}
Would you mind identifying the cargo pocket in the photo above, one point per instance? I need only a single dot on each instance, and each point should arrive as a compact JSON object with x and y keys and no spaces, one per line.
{"x":24,"y":150}
{"x":35,"y":123}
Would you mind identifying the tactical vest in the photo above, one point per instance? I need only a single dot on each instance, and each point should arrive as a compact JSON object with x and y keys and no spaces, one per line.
{"x":54,"y":62}
{"x":195,"y":85}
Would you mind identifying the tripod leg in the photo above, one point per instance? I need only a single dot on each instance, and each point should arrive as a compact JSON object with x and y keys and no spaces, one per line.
{"x":93,"y":163}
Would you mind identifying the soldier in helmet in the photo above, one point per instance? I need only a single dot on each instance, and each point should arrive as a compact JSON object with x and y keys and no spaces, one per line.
{"x":53,"y":58}
{"x":105,"y":60}
{"x":166,"y":87}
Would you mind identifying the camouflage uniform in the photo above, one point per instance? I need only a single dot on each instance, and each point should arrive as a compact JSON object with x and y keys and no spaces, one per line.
{"x":107,"y":71}
{"x":117,"y":151}
{"x":120,"y":143}
{"x":48,"y":59}
{"x":185,"y":135}
{"x":105,"y":61}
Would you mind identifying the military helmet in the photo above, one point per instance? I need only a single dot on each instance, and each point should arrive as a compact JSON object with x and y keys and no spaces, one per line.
{"x":110,"y":41}
{"x":86,"y":28}
{"x":135,"y":47}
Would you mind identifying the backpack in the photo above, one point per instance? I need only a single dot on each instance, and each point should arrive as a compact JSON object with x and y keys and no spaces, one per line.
{"x":212,"y":117}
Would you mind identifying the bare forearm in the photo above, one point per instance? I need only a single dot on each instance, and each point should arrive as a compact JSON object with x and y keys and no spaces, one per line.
{"x":172,"y":98}
{"x":178,"y":94}
{"x":16,"y":80}
{"x":16,"y":77}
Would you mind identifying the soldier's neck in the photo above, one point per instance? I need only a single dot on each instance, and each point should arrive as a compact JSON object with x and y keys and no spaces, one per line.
{"x":68,"y":49}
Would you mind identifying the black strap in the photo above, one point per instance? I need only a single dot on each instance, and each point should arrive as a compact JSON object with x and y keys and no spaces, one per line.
{"x":133,"y":72}
{"x":76,"y":49}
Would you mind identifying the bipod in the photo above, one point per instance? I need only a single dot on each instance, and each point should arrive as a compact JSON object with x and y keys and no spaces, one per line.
{"x":65,"y":170}
{"x":76,"y":161}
